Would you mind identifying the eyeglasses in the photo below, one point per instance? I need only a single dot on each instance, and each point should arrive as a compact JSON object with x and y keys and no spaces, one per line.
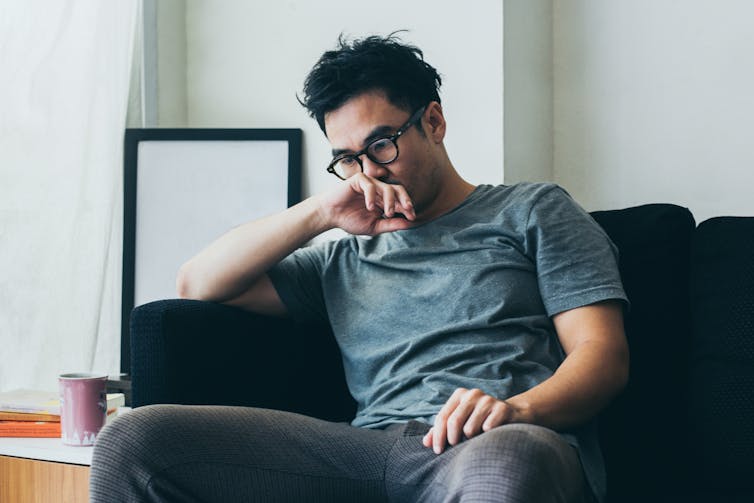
{"x":383,"y":150}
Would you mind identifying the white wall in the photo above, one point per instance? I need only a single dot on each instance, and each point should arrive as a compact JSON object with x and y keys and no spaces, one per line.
{"x":172,"y":110}
{"x":247,"y":60}
{"x":654,"y":101}
{"x":528,"y":90}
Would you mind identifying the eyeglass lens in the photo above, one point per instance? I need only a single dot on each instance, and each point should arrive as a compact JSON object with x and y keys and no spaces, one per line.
{"x":382,"y":151}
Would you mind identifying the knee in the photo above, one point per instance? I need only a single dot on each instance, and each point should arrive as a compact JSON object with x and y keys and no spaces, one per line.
{"x":137,"y":435}
{"x":143,"y":423}
{"x":522,"y":441}
{"x":516,"y":462}
{"x":512,"y":443}
{"x":127,"y":451}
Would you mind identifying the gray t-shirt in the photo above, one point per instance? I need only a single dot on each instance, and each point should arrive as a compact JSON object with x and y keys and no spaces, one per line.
{"x":465,"y":300}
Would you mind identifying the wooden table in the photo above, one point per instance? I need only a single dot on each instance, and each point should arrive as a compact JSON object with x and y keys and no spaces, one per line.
{"x":43,"y":470}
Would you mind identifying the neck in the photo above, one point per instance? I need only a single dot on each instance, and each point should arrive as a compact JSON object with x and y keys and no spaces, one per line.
{"x":452,"y":190}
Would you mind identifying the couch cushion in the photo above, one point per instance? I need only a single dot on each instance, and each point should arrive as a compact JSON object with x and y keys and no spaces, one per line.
{"x":643,"y":431}
{"x":722,"y":370}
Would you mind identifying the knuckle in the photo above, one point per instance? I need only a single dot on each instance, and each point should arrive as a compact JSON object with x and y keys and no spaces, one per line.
{"x":471,"y":395}
{"x":453,"y":421}
{"x":497,"y":412}
{"x":487,"y":400}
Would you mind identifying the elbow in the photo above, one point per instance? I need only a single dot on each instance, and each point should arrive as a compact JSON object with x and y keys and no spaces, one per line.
{"x":196,"y":284}
{"x":185,"y":284}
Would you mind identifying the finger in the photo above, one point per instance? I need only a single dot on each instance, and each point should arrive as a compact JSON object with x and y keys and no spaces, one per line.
{"x":390,"y":225}
{"x":370,"y":196}
{"x":427,"y":439}
{"x":365,"y":185}
{"x":406,"y":205}
{"x":498,"y":415}
{"x":461,"y":414}
{"x":474,"y":424}
{"x":439,"y":436}
{"x":408,"y":210}
{"x":388,"y":201}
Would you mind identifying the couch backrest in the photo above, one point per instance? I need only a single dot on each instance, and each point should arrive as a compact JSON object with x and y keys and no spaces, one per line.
{"x":643,"y":431}
{"x":721,"y":408}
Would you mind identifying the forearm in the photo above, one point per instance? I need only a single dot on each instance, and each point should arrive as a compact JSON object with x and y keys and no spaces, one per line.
{"x":230,"y":265}
{"x":586,"y":380}
{"x":589,"y":377}
{"x":594,"y":370}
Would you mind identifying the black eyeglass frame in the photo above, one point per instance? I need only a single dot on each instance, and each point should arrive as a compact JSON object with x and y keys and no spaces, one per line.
{"x":365,"y":151}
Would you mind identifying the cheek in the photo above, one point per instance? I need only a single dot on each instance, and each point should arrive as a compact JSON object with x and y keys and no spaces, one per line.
{"x":412,"y":170}
{"x":417,"y":185}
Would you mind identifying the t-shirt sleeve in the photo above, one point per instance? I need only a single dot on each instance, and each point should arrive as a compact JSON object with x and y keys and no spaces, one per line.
{"x":577,"y":263}
{"x":298,"y":281}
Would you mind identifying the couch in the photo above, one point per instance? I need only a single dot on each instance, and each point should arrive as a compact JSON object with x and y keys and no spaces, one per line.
{"x":682,"y":430}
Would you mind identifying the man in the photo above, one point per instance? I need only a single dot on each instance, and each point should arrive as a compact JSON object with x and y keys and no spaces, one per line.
{"x":480,"y":327}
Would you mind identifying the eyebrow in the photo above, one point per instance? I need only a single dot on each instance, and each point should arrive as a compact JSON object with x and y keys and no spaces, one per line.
{"x":378,"y":132}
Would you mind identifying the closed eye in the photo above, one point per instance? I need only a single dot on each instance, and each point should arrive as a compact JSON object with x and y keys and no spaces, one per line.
{"x":380,"y":145}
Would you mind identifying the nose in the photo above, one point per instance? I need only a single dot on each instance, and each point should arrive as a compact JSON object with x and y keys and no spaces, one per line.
{"x":374,"y":169}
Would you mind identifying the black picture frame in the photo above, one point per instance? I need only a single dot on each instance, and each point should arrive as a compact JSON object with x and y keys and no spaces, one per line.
{"x":176,"y":144}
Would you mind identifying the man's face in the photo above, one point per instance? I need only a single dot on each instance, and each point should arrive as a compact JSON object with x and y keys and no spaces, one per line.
{"x":369,"y":116}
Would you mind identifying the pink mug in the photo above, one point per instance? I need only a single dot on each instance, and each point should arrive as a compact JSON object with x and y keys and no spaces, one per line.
{"x":83,"y":407}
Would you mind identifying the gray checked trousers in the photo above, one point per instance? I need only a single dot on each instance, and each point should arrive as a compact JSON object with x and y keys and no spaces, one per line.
{"x":174,"y":453}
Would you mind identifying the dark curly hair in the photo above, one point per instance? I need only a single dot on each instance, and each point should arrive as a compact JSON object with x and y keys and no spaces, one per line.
{"x":370,"y":64}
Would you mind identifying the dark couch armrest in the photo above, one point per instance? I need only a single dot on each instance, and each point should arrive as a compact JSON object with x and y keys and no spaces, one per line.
{"x":192,"y":352}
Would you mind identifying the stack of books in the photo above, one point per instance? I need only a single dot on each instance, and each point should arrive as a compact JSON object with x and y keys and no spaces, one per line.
{"x":35,"y":413}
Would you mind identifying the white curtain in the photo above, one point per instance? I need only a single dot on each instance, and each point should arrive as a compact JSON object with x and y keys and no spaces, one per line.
{"x":64,"y":80}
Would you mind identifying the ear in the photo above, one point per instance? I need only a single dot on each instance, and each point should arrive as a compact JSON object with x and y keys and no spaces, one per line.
{"x":435,"y":121}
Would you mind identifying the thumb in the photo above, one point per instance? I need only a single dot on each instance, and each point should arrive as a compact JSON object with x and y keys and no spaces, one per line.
{"x":391,"y":224}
